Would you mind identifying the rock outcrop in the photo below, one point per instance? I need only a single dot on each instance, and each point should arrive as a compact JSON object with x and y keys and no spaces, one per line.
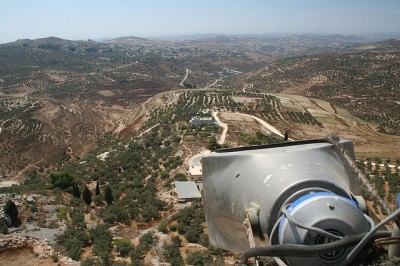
{"x":39,"y":246}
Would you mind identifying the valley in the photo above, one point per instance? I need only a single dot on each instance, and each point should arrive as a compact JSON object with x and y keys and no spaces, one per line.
{"x":113,"y":120}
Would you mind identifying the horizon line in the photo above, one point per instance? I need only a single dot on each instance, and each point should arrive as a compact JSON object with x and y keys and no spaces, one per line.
{"x":167,"y":36}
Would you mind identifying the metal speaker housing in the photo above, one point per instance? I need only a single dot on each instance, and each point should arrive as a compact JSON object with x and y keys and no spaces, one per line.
{"x":269,"y":177}
{"x":337,"y":215}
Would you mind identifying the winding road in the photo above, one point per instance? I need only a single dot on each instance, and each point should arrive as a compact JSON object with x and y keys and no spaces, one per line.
{"x":262,"y":122}
{"x":195,"y":167}
{"x":215,"y":82}
{"x":223,"y":125}
{"x":186,"y":76}
{"x":265,"y":124}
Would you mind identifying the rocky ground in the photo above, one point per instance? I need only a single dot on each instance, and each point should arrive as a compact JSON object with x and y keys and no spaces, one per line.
{"x":38,"y":231}
{"x":11,"y":244}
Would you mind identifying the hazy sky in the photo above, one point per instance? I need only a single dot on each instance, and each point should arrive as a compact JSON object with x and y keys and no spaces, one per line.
{"x":83,"y":19}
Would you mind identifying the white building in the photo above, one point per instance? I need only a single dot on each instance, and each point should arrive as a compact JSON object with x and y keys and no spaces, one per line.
{"x":187,"y":190}
{"x":197,"y":121}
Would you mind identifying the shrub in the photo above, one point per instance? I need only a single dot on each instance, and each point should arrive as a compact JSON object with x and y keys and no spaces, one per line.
{"x":180,"y":177}
{"x":177,"y":261}
{"x":3,"y":228}
{"x":203,"y":257}
{"x":123,"y":246}
{"x":87,"y":195}
{"x":62,"y":213}
{"x":61,"y":179}
{"x":150,"y":212}
{"x":108,"y":197}
{"x":163,"y":226}
{"x":173,"y":227}
{"x":74,"y":239}
{"x":115,"y":214}
{"x":172,"y":253}
{"x":102,"y":240}
{"x":194,"y":232}
{"x":78,"y":218}
{"x":10,"y":209}
{"x":98,"y":200}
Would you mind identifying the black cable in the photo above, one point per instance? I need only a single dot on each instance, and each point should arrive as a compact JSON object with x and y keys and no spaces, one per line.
{"x":370,"y":234}
{"x":297,"y":250}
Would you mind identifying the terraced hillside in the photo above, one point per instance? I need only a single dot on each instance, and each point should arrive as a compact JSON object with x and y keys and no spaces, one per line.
{"x":104,"y":130}
{"x":302,"y":117}
{"x":122,"y":72}
{"x":363,"y":80}
{"x":139,"y":218}
{"x":16,"y":120}
{"x":47,"y":134}
{"x":60,"y":97}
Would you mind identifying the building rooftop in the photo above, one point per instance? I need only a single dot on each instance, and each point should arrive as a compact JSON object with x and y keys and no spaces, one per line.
{"x":187,"y":190}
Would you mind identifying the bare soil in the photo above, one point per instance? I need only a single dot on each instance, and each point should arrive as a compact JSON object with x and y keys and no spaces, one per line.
{"x":23,"y":257}
{"x":368,"y":142}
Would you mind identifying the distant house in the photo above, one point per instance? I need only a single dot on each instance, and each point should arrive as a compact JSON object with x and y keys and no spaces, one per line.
{"x":198,"y":121}
{"x":187,"y":190}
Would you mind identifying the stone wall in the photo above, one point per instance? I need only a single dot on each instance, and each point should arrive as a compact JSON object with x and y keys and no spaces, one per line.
{"x":39,"y":246}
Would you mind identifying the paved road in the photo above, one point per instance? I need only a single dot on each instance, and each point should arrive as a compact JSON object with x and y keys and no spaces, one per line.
{"x":186,"y":76}
{"x":195,"y":167}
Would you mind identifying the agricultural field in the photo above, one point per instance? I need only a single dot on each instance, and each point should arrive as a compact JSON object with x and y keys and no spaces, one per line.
{"x":103,"y":130}
{"x":357,"y":79}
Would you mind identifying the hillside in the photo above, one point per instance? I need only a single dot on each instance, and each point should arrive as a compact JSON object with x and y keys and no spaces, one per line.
{"x":144,"y":222}
{"x":358,"y":79}
{"x":59,"y":97}
{"x":97,"y":133}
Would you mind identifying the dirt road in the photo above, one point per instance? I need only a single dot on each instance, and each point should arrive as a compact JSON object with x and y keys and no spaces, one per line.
{"x":223,"y":125}
{"x":262,"y":122}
